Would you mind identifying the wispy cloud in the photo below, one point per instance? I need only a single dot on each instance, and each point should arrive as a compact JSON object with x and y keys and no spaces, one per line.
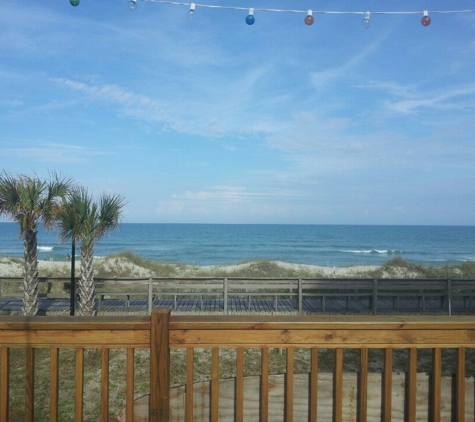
{"x":412,"y":99}
{"x":323,"y":78}
{"x":47,"y":152}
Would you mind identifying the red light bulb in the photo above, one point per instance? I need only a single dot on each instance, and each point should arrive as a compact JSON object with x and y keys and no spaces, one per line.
{"x":309,"y":18}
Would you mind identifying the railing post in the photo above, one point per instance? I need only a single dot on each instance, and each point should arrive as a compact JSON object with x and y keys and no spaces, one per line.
{"x":375,"y":296}
{"x":150,"y":295}
{"x":159,"y":410}
{"x":449,"y":296}
{"x":225,"y":295}
{"x":300,"y":296}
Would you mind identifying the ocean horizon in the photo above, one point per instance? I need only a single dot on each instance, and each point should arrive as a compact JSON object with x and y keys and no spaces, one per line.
{"x":219,"y":244}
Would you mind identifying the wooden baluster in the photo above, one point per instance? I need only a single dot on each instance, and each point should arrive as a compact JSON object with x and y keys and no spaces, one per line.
{"x":190,"y":366}
{"x":338,"y":387}
{"x":79,"y":384}
{"x":412,"y":386}
{"x":289,"y":386}
{"x":105,"y":385}
{"x":436,"y":384}
{"x":387,"y":385}
{"x":264,"y":398}
{"x":363,"y":386}
{"x":460,"y":394}
{"x":129,"y":384}
{"x":239,"y":411}
{"x":313,"y":400}
{"x":5,"y":374}
{"x":54,"y":384}
{"x":30,"y":385}
{"x":214,"y":384}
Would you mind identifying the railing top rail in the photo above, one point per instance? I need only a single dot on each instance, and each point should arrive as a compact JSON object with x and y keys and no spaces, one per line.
{"x":74,"y":323}
{"x":264,"y":322}
{"x":74,"y":332}
{"x":331,"y":332}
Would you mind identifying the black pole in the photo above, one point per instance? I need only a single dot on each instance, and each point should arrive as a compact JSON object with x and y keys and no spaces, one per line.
{"x":72,"y":299}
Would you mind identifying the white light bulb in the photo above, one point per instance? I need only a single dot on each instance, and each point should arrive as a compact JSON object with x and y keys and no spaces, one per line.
{"x":191,"y":13}
{"x":367,"y":20}
{"x":133,"y":4}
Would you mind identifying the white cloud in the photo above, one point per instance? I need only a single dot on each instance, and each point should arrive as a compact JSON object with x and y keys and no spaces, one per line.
{"x":52,"y":153}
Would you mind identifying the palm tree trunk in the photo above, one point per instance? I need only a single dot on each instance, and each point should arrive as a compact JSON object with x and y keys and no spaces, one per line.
{"x":30,"y":279}
{"x":86,"y":283}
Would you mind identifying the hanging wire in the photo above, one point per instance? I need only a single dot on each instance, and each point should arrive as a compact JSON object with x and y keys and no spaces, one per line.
{"x":323,"y":12}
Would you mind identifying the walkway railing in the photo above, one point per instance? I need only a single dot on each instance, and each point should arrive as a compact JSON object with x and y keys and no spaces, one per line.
{"x":161,"y":332}
{"x":298,"y":295}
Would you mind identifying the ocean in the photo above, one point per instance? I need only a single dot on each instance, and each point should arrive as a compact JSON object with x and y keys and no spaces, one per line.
{"x":211,"y":244}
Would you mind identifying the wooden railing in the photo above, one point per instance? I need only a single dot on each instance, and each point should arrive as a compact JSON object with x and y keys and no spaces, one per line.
{"x":376,"y":296}
{"x":161,"y":333}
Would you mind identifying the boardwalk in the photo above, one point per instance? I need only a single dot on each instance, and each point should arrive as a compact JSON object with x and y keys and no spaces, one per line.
{"x":240,"y":306}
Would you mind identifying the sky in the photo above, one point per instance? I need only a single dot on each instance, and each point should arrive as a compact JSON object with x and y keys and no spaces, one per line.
{"x":211,"y":120}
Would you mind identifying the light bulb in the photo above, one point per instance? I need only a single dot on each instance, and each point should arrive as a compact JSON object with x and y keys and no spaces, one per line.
{"x":250,"y":19}
{"x":133,"y":4}
{"x":309,"y":18}
{"x":74,"y":2}
{"x":425,"y":21}
{"x":367,"y":20}
{"x":191,"y":13}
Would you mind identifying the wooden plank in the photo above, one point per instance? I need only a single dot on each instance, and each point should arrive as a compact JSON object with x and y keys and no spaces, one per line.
{"x":159,"y":366}
{"x":57,"y":323}
{"x":264,"y":396}
{"x":5,"y":383}
{"x":412,"y":386}
{"x":289,"y":386}
{"x":363,"y":386}
{"x":313,"y":401}
{"x":30,"y":385}
{"x":387,"y":385}
{"x":338,"y":387}
{"x":328,"y":322}
{"x":64,"y":338}
{"x":333,"y":338}
{"x":190,"y":367}
{"x":460,"y":391}
{"x":214,"y":384}
{"x":239,"y":407}
{"x":130,"y":384}
{"x":79,"y":394}
{"x":54,"y":385}
{"x":105,"y":385}
{"x":436,"y":384}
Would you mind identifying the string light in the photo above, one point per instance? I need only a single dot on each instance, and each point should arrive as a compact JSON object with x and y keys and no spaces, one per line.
{"x":367,"y":20}
{"x":309,"y":18}
{"x":133,"y":4}
{"x":425,"y":21}
{"x":250,"y":19}
{"x":191,"y":13}
{"x":323,"y":12}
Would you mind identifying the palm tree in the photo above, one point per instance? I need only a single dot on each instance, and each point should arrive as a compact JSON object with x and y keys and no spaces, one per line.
{"x":81,"y":219}
{"x":29,"y":201}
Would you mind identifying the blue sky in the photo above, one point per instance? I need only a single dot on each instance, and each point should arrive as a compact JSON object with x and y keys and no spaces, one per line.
{"x":211,"y":120}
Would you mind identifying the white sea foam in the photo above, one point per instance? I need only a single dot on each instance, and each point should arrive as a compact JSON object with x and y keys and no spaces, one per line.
{"x":370,"y":251}
{"x":45,"y":248}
